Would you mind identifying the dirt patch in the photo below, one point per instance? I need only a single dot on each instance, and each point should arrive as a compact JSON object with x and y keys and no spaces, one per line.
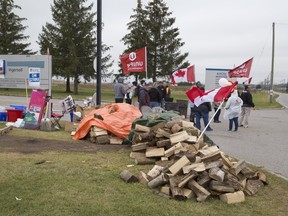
{"x":28,"y":145}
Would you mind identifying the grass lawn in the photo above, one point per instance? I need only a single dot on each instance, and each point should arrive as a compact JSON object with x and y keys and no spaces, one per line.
{"x":89,"y":184}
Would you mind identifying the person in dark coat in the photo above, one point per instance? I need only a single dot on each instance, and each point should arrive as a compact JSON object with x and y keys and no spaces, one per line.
{"x":144,"y":98}
{"x":246,"y":107}
{"x":155,"y":96}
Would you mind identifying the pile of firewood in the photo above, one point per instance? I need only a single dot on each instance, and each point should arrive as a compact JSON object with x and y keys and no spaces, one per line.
{"x":102,"y":137}
{"x":185,"y":167}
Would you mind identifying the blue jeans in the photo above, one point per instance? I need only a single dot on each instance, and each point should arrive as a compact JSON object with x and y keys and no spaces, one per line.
{"x":205,"y":116}
{"x":154,"y":104}
{"x":235,"y":121}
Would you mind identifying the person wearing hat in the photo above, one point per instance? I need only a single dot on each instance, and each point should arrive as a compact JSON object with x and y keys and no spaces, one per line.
{"x":119,"y":91}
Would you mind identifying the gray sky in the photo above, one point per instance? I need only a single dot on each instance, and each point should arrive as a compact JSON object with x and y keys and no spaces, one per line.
{"x":217,"y":33}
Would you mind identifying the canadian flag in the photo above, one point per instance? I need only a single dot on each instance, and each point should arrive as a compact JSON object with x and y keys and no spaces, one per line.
{"x":134,"y":61}
{"x":198,"y":96}
{"x":241,"y":71}
{"x":183,"y":75}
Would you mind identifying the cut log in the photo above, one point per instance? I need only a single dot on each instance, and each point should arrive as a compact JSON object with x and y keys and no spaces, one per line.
{"x":169,"y":152}
{"x":170,"y":124}
{"x":198,"y":167}
{"x":216,"y":174}
{"x":226,"y":161}
{"x":158,"y":181}
{"x":186,"y":178}
{"x":176,"y":128}
{"x":98,"y":133}
{"x":221,"y":187}
{"x":231,"y":198}
{"x":116,"y":141}
{"x":252,"y":186}
{"x":187,"y":124}
{"x":177,"y":193}
{"x":233,"y":181}
{"x":104,"y":139}
{"x":188,"y":193}
{"x":211,"y":157}
{"x":204,"y":180}
{"x":128,"y":177}
{"x":137,"y":154}
{"x":209,"y":150}
{"x":178,"y":165}
{"x":191,"y":139}
{"x":165,"y":190}
{"x":155,"y":171}
{"x":154,"y":152}
{"x":143,"y":178}
{"x":213,"y":164}
{"x":178,"y":137}
{"x":163,"y":143}
{"x":236,"y":168}
{"x":144,"y":160}
{"x":141,"y":128}
{"x":162,"y":133}
{"x":139,"y":146}
{"x":247,"y":172}
{"x":201,"y":193}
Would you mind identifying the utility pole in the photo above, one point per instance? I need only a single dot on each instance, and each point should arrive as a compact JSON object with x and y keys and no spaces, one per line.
{"x":272,"y":64}
{"x":99,"y":51}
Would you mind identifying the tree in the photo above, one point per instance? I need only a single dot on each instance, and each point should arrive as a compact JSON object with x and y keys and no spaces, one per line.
{"x":72,"y":42}
{"x":12,"y":39}
{"x":162,"y":40}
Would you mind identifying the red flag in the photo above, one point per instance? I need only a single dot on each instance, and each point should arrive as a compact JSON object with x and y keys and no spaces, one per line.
{"x":183,"y":75}
{"x":241,"y":71}
{"x":134,"y":61}
{"x":198,"y":97}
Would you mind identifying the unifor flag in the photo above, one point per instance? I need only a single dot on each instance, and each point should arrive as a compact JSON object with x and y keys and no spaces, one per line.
{"x":197,"y":96}
{"x":183,"y":75}
{"x":134,"y":61}
{"x":241,"y":71}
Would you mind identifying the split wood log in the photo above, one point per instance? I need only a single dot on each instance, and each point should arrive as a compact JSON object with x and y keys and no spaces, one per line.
{"x":204,"y":180}
{"x":169,"y":152}
{"x":178,"y":137}
{"x":186,"y":178}
{"x":163,"y":143}
{"x":262,"y":177}
{"x":247,"y":172}
{"x":154,"y":152}
{"x":236,"y":168}
{"x":141,"y":128}
{"x":221,"y":187}
{"x":209,"y":150}
{"x":198,"y":167}
{"x":162,"y":133}
{"x":231,"y":198}
{"x":177,"y":193}
{"x":128,"y":177}
{"x":211,"y":157}
{"x":213,"y":164}
{"x":226,"y":161}
{"x":97,"y":132}
{"x":155,"y":171}
{"x":116,"y":141}
{"x":252,"y":186}
{"x":165,"y":190}
{"x":143,"y":178}
{"x":216,"y":174}
{"x":139,"y":146}
{"x":178,"y":165}
{"x":201,"y":193}
{"x":104,"y":139}
{"x":176,"y":128}
{"x":144,"y":160}
{"x":234,"y":182}
{"x":158,"y":181}
{"x":187,"y":124}
{"x":136,"y":154}
{"x":191,"y":139}
{"x":188,"y":193}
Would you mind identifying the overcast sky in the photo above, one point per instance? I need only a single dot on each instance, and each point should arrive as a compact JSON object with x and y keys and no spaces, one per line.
{"x":217,"y":33}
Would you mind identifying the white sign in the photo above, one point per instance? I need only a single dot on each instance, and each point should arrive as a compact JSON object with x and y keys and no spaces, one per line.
{"x":212,"y":77}
{"x":34,"y":77}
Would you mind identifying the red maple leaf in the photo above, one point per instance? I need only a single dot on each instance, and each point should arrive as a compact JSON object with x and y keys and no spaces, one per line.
{"x":180,"y":73}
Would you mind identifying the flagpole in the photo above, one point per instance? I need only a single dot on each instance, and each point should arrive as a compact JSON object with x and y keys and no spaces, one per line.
{"x":146,"y":62}
{"x":210,"y":121}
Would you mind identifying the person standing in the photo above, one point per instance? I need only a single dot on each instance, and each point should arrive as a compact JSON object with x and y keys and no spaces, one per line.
{"x":155,"y":97}
{"x":144,"y":98}
{"x":217,"y":111}
{"x":119,"y":91}
{"x":192,"y":112}
{"x":163,"y":93}
{"x":129,"y":93}
{"x":246,"y":107}
{"x":233,"y":110}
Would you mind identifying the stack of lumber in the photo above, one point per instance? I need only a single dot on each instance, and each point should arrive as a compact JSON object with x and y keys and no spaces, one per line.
{"x":185,"y":167}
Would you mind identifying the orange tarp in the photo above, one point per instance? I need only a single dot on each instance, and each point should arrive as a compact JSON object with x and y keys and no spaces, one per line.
{"x":117,"y":118}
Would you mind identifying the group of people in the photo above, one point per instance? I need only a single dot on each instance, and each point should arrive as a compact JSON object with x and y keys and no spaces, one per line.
{"x":236,"y":106}
{"x":151,"y":95}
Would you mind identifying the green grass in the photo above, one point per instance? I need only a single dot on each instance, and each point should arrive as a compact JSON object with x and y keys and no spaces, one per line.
{"x":89,"y":184}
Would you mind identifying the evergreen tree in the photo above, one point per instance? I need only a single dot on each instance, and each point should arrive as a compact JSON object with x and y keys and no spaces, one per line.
{"x":72,"y":42}
{"x":153,"y":27}
{"x":137,"y":36}
{"x":12,"y":39}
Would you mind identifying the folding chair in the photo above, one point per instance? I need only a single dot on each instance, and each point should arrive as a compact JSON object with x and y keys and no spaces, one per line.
{"x":55,"y":117}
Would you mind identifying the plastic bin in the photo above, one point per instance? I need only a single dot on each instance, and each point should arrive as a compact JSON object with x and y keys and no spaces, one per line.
{"x":3,"y":116}
{"x":13,"y":114}
{"x":18,"y":107}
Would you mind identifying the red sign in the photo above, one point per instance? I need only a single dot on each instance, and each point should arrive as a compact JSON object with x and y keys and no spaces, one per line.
{"x":242,"y":70}
{"x":134,"y":61}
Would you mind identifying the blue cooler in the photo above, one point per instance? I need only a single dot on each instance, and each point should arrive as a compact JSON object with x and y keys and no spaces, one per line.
{"x":3,"y":116}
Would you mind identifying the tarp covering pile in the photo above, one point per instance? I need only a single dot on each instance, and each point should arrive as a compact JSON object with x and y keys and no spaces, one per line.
{"x":117,"y":119}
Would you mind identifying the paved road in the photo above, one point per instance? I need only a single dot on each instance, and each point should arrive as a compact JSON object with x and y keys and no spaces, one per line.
{"x":264,"y":143}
